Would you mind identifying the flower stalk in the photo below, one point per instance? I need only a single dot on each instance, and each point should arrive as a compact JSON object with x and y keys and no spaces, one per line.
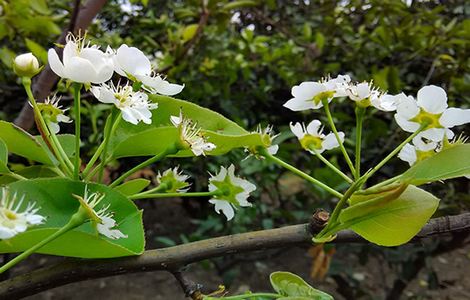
{"x":173,"y":195}
{"x":338,"y":138}
{"x":54,"y":145}
{"x":76,"y":100}
{"x":168,"y":151}
{"x":301,"y":174}
{"x":360,"y":112}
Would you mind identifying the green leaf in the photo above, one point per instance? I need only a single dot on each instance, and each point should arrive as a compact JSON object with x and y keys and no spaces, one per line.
{"x":23,"y":144}
{"x":37,"y":50}
{"x":450,"y":163}
{"x":147,"y":140}
{"x":189,"y":32}
{"x":3,"y":157}
{"x":294,"y":287}
{"x":390,"y":222}
{"x":132,"y":187}
{"x":239,"y":4}
{"x":54,"y":197}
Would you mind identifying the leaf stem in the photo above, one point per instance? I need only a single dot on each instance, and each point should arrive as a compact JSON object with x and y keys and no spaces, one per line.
{"x":115,"y":118}
{"x":41,"y":124}
{"x":331,"y":166}
{"x":300,"y":173}
{"x":339,"y":206}
{"x":333,"y":128}
{"x":360,"y":112}
{"x":170,"y":150}
{"x":16,"y":176}
{"x":76,"y":100}
{"x":173,"y":195}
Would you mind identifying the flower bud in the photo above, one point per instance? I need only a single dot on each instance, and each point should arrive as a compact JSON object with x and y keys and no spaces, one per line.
{"x":26,"y":65}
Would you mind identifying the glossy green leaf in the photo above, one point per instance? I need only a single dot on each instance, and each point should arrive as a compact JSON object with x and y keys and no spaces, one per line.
{"x":54,"y":197}
{"x":294,"y":287}
{"x":23,"y":144}
{"x":3,"y":157}
{"x":450,"y":163}
{"x":133,"y":186}
{"x":37,"y":50}
{"x":391,"y":222}
{"x":147,"y":140}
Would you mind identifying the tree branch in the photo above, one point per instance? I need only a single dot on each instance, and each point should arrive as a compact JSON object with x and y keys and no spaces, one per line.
{"x":173,"y":258}
{"x":80,"y":20}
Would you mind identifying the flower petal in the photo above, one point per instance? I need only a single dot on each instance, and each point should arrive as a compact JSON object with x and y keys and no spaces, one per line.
{"x":307,"y":90}
{"x":330,"y":141}
{"x":408,"y":154}
{"x":55,"y":63}
{"x":133,"y":61}
{"x":298,"y":104}
{"x":455,"y":117}
{"x":159,"y":85}
{"x":405,"y":124}
{"x":297,"y":130}
{"x":432,"y":99}
{"x":313,"y":128}
{"x":80,"y":70}
{"x":224,"y":207}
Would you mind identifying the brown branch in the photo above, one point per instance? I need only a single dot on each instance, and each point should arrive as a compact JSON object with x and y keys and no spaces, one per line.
{"x":80,"y":20}
{"x":190,"y":288}
{"x":173,"y":258}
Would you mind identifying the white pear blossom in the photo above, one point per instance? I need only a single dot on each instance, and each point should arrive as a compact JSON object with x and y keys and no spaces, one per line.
{"x":101,"y":218}
{"x":132,"y":63}
{"x":26,"y":65}
{"x":53,"y":113}
{"x":419,"y":150}
{"x":234,"y":191}
{"x":174,"y":181}
{"x":81,"y":62}
{"x":135,"y":106}
{"x":191,"y":135}
{"x":365,"y":95}
{"x":14,"y":220}
{"x":267,"y":134}
{"x":312,"y":139}
{"x":430,"y":109}
{"x":309,"y":94}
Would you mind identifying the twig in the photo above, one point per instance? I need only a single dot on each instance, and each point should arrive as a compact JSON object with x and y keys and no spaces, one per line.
{"x":173,"y":258}
{"x":190,"y":288}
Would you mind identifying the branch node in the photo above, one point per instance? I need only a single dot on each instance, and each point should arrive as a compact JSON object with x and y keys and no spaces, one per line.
{"x":190,"y":288}
{"x":318,"y":221}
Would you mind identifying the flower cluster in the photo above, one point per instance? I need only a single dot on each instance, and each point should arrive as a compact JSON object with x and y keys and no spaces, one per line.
{"x":428,"y":115}
{"x":13,"y":220}
{"x":233,"y":191}
{"x":85,"y":63}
